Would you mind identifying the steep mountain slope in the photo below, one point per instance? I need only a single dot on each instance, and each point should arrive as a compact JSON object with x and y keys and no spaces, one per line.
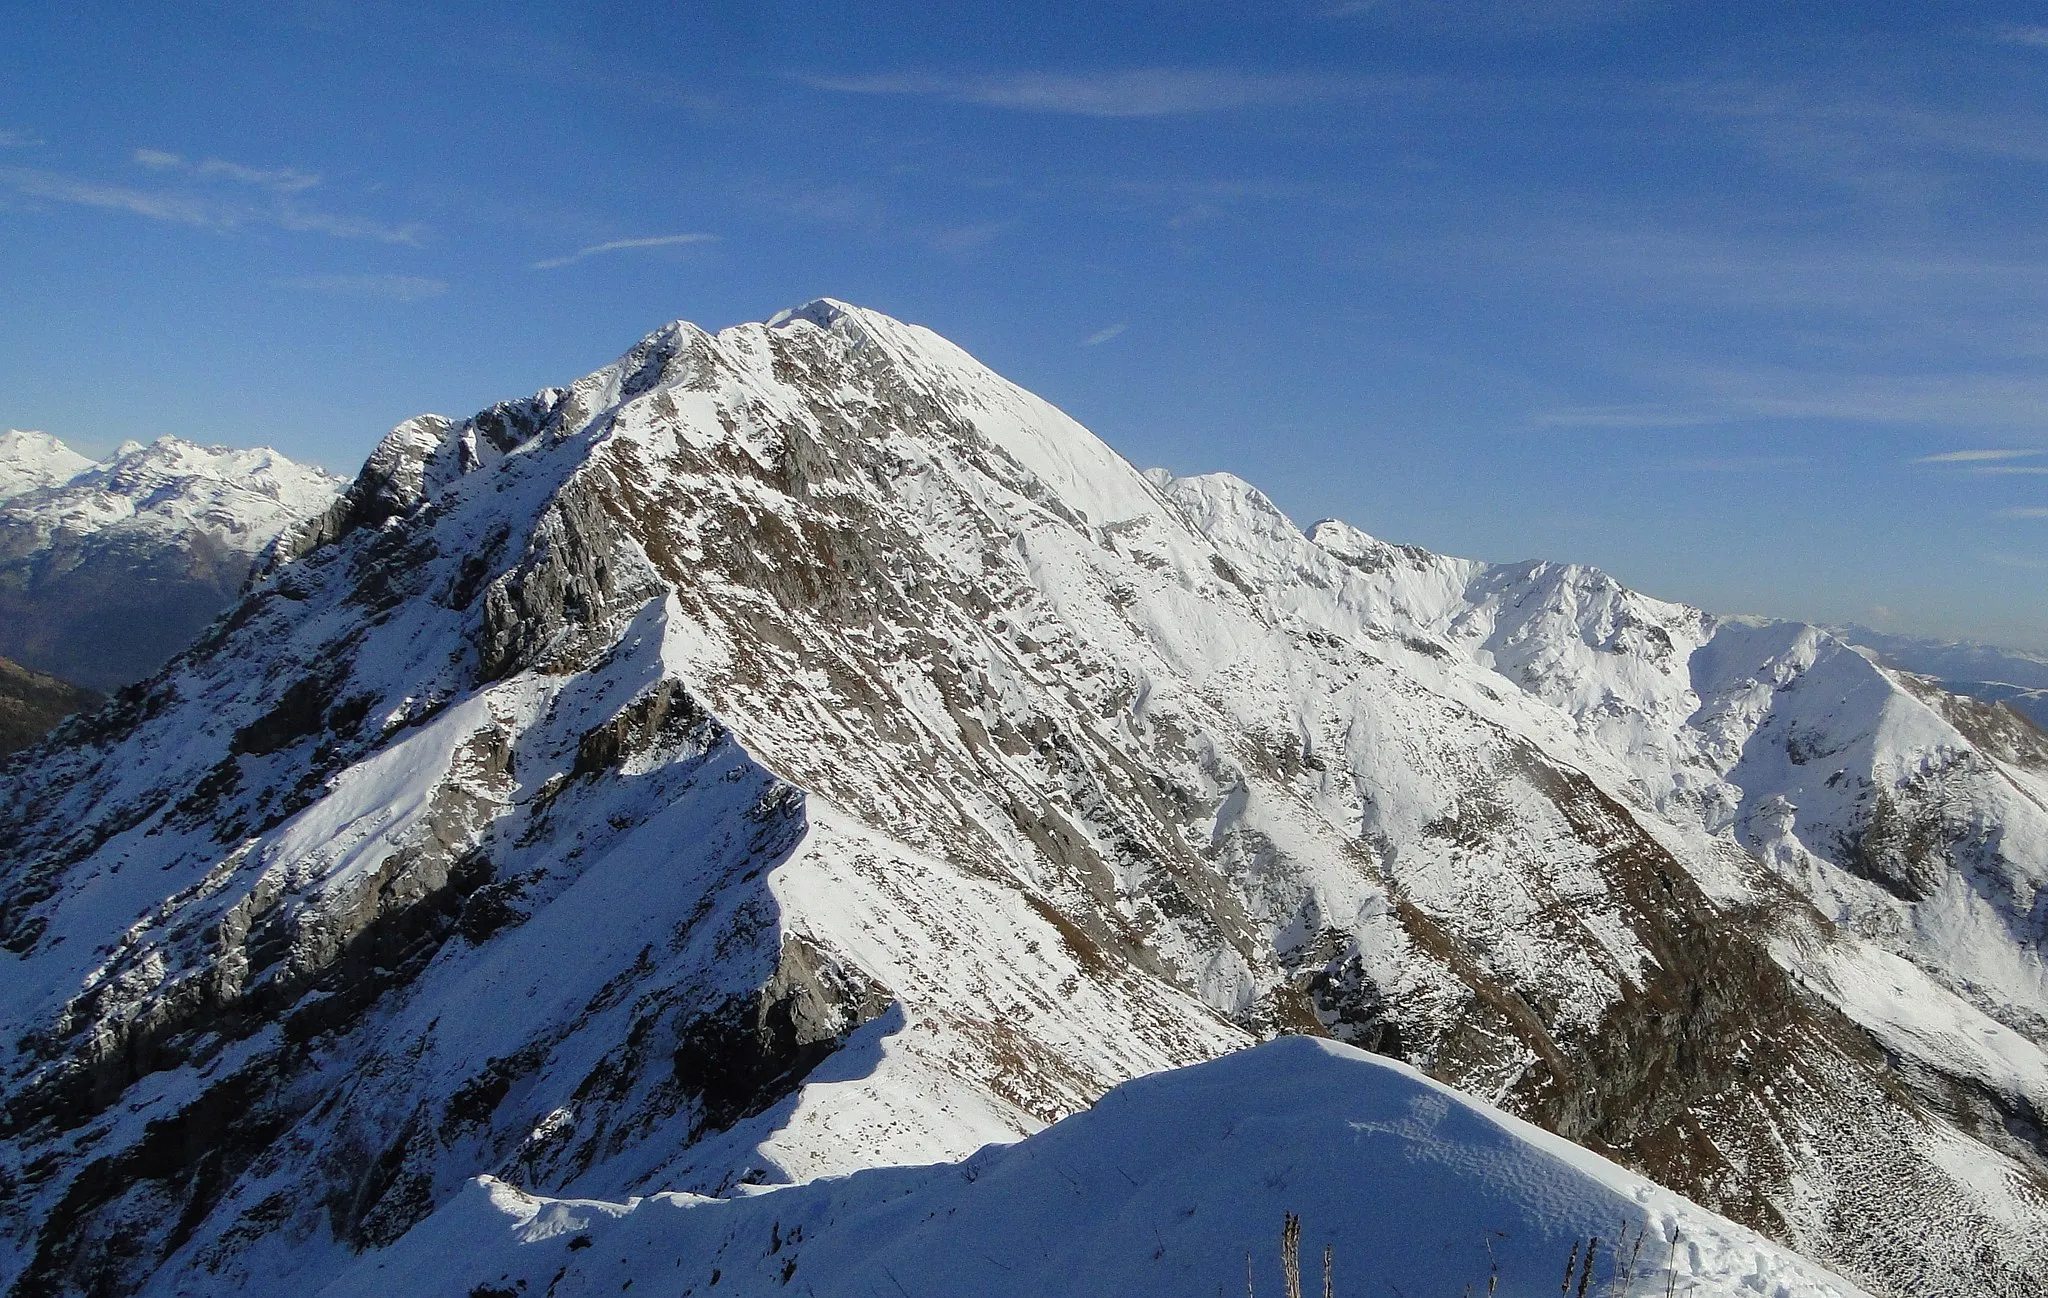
{"x":108,"y":569}
{"x":1983,"y":672}
{"x":1175,"y":1184}
{"x":30,"y":703}
{"x":796,"y":750}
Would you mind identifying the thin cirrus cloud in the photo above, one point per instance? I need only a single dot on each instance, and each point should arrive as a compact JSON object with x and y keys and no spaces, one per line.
{"x":1101,"y":336}
{"x":282,"y":180}
{"x":1988,"y":461}
{"x":389,"y":288}
{"x":1136,"y":92}
{"x":1735,"y":463}
{"x":12,"y":139}
{"x":1974,"y":457}
{"x":624,"y":245}
{"x":1623,"y":417}
{"x":2025,"y":511}
{"x":210,"y":195}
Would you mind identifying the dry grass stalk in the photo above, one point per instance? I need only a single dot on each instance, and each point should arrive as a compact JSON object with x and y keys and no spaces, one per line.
{"x":1628,"y":1278}
{"x":1290,"y":1254}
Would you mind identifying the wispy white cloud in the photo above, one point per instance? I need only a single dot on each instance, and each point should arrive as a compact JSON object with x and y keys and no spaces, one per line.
{"x":394,"y":288}
{"x":1627,"y":417}
{"x":1736,"y":463}
{"x":1486,"y":17}
{"x":11,"y":139}
{"x":963,"y":240}
{"x":1974,"y":457}
{"x":1865,"y":140}
{"x":1101,"y":336}
{"x":1136,"y":92}
{"x":209,"y":195}
{"x":2012,"y":470}
{"x":624,"y":245}
{"x":2035,"y":36}
{"x":282,"y":180}
{"x":285,"y":180}
{"x":156,"y":205}
{"x":2032,"y":563}
{"x":2025,"y":511}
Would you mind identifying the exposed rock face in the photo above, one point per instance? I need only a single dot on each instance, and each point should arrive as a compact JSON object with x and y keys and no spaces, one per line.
{"x":30,"y":703}
{"x":108,"y":569}
{"x":797,"y":749}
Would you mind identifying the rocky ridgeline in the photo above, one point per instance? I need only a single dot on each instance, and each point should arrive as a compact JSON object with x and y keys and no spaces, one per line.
{"x":796,"y":750}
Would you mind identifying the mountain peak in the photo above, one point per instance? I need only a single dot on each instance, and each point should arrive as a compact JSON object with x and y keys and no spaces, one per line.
{"x":823,"y":312}
{"x":32,"y":461}
{"x":799,"y":749}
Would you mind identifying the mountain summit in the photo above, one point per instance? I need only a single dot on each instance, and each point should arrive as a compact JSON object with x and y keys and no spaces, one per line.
{"x":797,"y":750}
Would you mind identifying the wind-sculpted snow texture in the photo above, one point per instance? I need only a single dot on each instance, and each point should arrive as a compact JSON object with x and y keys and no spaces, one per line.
{"x":107,"y":569}
{"x":798,"y":750}
{"x":1168,"y":1187}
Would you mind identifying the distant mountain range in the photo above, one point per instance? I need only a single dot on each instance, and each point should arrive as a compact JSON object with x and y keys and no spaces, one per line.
{"x":797,"y":751}
{"x":1980,"y":671}
{"x":109,"y":567}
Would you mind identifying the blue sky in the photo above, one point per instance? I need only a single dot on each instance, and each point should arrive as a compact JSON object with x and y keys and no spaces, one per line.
{"x":1746,"y":302}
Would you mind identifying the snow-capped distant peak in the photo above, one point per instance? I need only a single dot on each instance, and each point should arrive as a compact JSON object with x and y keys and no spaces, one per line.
{"x":823,"y":312}
{"x":109,"y":567}
{"x":31,"y":461}
{"x":213,"y":470}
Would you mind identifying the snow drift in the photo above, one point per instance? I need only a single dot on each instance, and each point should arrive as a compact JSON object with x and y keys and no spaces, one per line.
{"x":1167,"y":1187}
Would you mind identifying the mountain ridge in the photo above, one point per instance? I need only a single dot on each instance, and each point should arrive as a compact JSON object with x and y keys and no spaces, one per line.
{"x":1040,"y":772}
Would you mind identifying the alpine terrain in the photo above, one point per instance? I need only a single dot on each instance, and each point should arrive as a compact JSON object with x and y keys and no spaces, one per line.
{"x":796,"y":751}
{"x":107,"y":569}
{"x":2009,"y":676}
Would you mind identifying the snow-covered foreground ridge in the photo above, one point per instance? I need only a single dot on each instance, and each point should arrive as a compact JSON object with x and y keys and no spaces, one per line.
{"x":1163,"y":1188}
{"x":797,"y":750}
{"x":109,"y":567}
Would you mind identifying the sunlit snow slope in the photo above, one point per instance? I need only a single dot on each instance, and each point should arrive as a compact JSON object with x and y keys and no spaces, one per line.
{"x":1167,"y":1187}
{"x":797,"y":750}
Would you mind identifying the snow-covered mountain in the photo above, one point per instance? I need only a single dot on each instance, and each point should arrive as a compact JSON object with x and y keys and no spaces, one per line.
{"x":797,"y":750}
{"x":1979,"y":671}
{"x":107,"y":569}
{"x":1175,"y":1184}
{"x":35,"y":462}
